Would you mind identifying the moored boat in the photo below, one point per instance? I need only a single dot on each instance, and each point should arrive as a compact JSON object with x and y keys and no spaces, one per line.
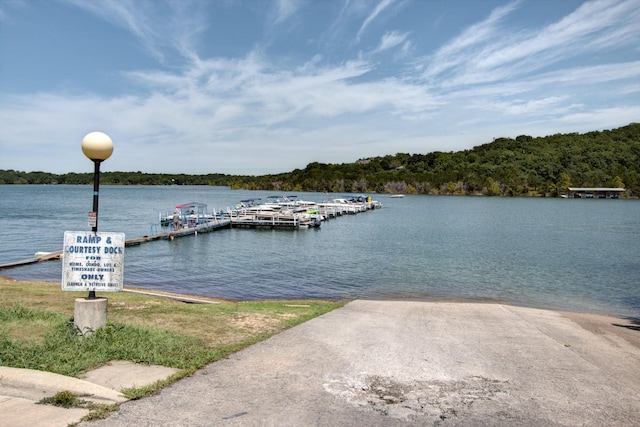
{"x":187,"y":215}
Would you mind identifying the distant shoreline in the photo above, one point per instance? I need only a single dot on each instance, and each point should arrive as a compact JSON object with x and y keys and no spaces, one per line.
{"x":626,"y":194}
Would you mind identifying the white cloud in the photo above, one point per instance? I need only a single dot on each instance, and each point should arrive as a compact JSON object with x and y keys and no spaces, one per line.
{"x":381,"y":6}
{"x":606,"y":118}
{"x":159,"y":26}
{"x":455,"y":53}
{"x":488,"y":52}
{"x":390,"y":40}
{"x":285,"y":9}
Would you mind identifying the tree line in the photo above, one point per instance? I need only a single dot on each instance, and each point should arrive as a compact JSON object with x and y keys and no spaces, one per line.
{"x":524,"y":166}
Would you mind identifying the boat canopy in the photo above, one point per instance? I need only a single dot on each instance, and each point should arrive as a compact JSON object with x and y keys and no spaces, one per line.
{"x":283,"y":198}
{"x":192,"y":205}
{"x":194,"y":211}
{"x":188,"y":213}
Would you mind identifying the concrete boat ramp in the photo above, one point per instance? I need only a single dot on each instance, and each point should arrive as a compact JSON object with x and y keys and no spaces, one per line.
{"x":399,"y":363}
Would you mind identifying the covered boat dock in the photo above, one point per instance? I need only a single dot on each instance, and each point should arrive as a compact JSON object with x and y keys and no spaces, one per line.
{"x":595,"y":193}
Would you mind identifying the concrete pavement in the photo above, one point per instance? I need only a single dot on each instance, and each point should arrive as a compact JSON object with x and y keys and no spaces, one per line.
{"x":392,"y":363}
{"x":20,"y":389}
{"x":381,"y":363}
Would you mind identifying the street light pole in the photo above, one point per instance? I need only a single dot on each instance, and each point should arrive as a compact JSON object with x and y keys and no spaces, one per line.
{"x":98,"y":147}
{"x":96,"y":191}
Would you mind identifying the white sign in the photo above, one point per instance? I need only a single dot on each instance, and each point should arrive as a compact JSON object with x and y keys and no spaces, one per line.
{"x":92,"y":261}
{"x":93,"y":219}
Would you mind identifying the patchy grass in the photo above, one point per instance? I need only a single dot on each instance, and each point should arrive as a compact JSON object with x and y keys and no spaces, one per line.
{"x":37,"y":331}
{"x":224,"y":323}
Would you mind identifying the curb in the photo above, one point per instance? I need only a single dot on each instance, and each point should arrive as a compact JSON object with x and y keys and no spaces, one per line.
{"x":33,"y":384}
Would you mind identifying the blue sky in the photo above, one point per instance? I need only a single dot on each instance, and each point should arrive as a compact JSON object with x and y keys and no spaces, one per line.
{"x":259,"y":86}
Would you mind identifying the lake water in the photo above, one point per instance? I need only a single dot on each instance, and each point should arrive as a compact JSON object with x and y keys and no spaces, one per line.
{"x":579,"y":255}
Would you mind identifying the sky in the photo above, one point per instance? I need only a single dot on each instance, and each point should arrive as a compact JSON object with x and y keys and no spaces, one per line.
{"x":255,"y":87}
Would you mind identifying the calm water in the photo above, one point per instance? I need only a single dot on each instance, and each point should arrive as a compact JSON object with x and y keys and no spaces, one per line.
{"x":581,"y":255}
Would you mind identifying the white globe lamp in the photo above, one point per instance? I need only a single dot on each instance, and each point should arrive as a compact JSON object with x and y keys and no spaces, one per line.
{"x":97,"y":146}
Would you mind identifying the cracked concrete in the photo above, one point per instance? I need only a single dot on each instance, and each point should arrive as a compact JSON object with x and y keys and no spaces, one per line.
{"x":394,"y":363}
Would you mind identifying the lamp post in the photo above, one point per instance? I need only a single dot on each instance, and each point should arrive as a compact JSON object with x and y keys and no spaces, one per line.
{"x":98,"y":147}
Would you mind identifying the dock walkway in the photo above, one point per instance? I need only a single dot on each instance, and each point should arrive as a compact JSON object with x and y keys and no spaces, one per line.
{"x":170,"y":235}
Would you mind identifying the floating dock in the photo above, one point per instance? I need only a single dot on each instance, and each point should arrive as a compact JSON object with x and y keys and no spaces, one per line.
{"x":191,"y":214}
{"x":204,"y":227}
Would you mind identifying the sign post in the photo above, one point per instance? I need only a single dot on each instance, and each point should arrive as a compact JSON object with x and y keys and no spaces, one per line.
{"x":92,"y":261}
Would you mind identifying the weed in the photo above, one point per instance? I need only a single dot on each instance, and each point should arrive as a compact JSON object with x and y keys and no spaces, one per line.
{"x":99,"y":411}
{"x":64,"y":399}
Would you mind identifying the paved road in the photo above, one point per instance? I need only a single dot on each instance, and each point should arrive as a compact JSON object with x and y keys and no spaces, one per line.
{"x":381,"y":363}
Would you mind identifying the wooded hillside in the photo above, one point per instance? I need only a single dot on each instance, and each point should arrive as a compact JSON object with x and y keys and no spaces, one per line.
{"x":524,"y":166}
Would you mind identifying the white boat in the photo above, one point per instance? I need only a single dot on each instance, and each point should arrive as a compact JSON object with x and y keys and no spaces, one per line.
{"x":253,"y":205}
{"x":397,"y":196}
{"x":291,"y":204}
{"x":349,"y":204}
{"x":282,"y":219}
{"x":187,"y":215}
{"x":340,"y":205}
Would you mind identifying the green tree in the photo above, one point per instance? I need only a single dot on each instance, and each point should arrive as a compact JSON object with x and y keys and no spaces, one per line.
{"x":493,"y":189}
{"x":451,"y":187}
{"x":411,"y":189}
{"x":616,"y":182}
{"x":564,"y":183}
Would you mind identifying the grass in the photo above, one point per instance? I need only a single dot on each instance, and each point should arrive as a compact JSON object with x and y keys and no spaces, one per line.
{"x":37,"y":331}
{"x":66,"y":399}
